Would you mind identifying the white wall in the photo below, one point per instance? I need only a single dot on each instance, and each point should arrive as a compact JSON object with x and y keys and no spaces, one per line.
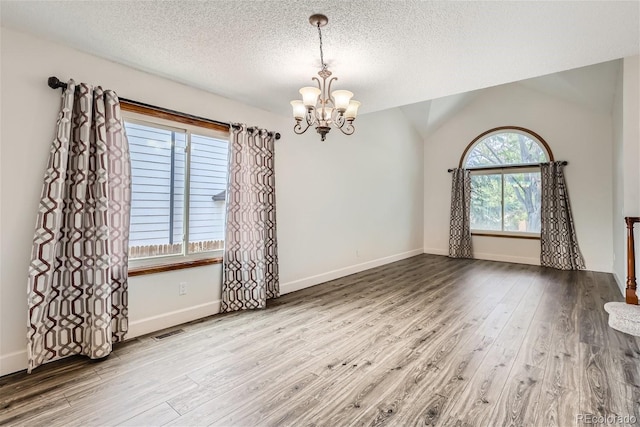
{"x":631,"y":134}
{"x":618,"y":227}
{"x":576,"y":134}
{"x":626,"y":158}
{"x":345,"y":205}
{"x":351,"y":199}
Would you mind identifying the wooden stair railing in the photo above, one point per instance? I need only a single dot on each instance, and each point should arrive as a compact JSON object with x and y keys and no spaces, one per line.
{"x":631,"y":297}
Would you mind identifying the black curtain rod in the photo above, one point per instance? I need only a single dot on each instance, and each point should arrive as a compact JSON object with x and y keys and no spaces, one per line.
{"x":55,"y":83}
{"x":564,"y":163}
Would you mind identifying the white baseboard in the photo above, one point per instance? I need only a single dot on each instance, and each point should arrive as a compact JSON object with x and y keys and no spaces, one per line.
{"x":173,"y":318}
{"x":507,"y":258}
{"x":17,"y":361}
{"x":307,"y":282}
{"x":13,"y":362}
{"x":524,"y":260}
{"x":434,"y":251}
{"x":490,"y":257}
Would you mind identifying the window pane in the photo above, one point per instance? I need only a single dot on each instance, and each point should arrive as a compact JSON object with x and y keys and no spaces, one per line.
{"x":522,"y":202}
{"x":505,"y":148}
{"x":157,"y":190}
{"x":486,"y":202}
{"x":208,"y":179}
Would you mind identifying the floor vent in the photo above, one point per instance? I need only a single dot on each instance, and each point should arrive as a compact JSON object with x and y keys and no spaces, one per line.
{"x":168,"y":334}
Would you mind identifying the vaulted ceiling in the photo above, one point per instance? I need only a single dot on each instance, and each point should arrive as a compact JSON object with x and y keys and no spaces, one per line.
{"x":389,"y":53}
{"x":592,"y":87}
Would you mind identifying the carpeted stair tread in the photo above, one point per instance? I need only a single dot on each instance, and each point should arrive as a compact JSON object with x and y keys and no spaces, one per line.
{"x":624,"y":317}
{"x":622,"y":309}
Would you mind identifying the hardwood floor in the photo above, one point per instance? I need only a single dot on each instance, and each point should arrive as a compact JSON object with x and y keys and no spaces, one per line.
{"x":424,"y":341}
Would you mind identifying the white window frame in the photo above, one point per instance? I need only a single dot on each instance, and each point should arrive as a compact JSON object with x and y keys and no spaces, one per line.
{"x":146,"y":120}
{"x":502,"y":170}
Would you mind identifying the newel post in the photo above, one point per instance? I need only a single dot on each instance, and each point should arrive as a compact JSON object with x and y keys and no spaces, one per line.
{"x":631,"y":297}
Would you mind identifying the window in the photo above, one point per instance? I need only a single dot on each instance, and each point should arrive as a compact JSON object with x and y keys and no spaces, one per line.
{"x":505,"y":181}
{"x":179,"y":175}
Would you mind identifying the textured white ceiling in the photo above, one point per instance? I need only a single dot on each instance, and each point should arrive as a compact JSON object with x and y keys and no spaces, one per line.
{"x":389,"y":53}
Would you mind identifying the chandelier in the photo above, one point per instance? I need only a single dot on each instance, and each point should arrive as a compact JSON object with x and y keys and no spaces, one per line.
{"x":317,"y":107}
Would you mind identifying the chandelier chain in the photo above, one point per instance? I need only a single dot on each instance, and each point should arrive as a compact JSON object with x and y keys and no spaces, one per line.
{"x":324,"y":66}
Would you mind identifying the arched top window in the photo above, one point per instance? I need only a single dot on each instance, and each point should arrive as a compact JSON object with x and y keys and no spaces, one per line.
{"x":506,"y":146}
{"x":505,"y":181}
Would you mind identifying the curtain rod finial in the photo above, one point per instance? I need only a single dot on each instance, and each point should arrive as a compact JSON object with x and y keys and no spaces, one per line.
{"x":55,"y":83}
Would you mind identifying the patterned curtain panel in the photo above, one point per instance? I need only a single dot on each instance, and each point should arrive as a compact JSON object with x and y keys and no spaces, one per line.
{"x":559,"y":244}
{"x":250,"y":267}
{"x":460,"y":225}
{"x":77,"y":286}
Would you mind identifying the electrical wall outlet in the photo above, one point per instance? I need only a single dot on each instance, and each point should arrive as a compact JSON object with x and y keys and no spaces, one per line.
{"x":182,"y":288}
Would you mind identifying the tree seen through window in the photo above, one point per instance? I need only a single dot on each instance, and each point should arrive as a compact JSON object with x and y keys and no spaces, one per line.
{"x":506,"y":199}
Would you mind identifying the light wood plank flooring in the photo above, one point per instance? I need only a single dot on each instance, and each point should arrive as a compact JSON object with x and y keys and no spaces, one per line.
{"x":424,"y":341}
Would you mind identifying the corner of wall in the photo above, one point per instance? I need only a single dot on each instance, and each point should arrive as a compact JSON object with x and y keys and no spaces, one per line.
{"x":310,"y":281}
{"x":620,"y":283}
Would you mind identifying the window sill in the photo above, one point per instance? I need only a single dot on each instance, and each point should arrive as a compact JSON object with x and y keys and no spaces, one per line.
{"x":509,"y":236}
{"x":152,"y":269}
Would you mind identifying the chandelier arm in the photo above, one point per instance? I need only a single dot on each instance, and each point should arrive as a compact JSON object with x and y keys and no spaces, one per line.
{"x":298,"y":129}
{"x":317,"y":80}
{"x":322,"y":85}
{"x":349,"y":129}
{"x":312,"y":112}
{"x":311,"y":116}
{"x":323,"y":93}
{"x":323,"y":97}
{"x":338,"y":119}
{"x":329,"y":90}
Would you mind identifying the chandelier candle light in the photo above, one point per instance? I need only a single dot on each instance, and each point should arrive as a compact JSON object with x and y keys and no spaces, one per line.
{"x":317,"y":107}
